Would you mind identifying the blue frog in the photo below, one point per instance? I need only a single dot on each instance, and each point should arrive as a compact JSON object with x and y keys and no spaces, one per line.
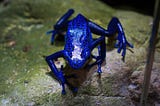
{"x":79,"y":43}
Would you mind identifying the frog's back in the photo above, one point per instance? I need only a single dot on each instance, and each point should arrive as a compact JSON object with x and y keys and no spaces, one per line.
{"x":78,"y":41}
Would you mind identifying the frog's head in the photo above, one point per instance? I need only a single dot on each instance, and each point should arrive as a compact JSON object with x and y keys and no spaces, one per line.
{"x":78,"y":41}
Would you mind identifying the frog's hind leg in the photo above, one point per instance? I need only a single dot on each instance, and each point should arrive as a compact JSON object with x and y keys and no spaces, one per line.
{"x":101,"y":53}
{"x":60,"y":24}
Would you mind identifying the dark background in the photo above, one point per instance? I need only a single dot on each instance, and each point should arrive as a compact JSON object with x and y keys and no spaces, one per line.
{"x":142,"y":6}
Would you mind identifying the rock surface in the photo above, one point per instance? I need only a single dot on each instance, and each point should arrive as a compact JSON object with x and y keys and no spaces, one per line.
{"x":25,"y":79}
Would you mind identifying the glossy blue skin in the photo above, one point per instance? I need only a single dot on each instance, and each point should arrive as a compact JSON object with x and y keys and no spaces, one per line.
{"x":79,"y":43}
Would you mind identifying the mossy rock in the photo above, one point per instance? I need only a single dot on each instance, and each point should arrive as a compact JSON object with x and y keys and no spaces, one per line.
{"x":23,"y":44}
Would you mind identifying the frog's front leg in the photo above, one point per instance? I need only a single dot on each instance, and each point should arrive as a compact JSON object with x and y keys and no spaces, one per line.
{"x":59,"y":74}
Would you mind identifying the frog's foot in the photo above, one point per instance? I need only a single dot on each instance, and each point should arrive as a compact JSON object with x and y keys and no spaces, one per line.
{"x":63,"y":89}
